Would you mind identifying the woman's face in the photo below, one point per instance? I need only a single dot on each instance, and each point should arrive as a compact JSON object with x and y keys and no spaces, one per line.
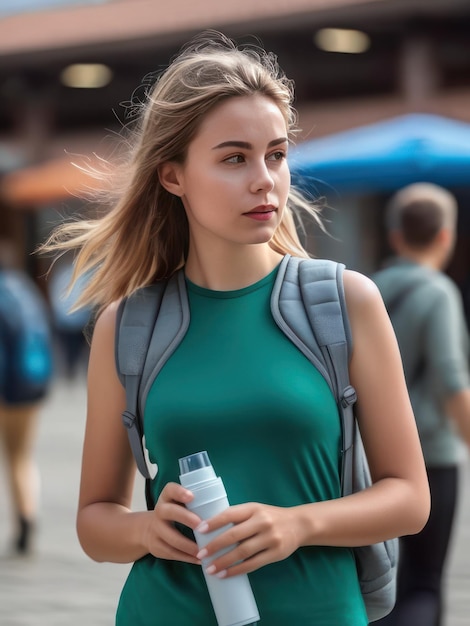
{"x":235,"y":180}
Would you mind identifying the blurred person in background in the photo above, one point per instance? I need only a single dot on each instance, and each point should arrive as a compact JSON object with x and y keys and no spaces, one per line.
{"x":426,"y":310}
{"x":68,"y":325}
{"x":25,"y":374}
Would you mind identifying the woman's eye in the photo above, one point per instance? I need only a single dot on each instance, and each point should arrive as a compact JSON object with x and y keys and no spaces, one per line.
{"x":236,"y":158}
{"x":277,"y":156}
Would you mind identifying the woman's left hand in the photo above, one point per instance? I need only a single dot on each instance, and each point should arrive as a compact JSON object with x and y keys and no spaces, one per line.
{"x":260,"y":534}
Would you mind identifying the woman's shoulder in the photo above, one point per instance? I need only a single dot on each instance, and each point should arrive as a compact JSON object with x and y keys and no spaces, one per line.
{"x":366,"y":309}
{"x":360,"y":290}
{"x":105,"y":322}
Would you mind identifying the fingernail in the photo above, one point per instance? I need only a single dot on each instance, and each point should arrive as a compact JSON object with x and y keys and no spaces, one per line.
{"x":201,"y":554}
{"x":203,"y":527}
{"x":222,"y":574}
{"x":211,"y":569}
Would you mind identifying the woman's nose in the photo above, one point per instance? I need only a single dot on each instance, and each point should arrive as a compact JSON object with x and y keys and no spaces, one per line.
{"x":262,"y":179}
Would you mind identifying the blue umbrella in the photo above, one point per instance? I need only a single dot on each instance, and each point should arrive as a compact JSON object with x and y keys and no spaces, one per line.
{"x":386,"y":155}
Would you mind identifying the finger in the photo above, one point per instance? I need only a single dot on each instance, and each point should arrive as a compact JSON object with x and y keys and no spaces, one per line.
{"x":174,"y":538}
{"x":176,"y":493}
{"x":164,"y":550}
{"x":172,"y":512}
{"x":170,"y":505}
{"x":245,"y":567}
{"x":232,"y":515}
{"x":231,"y":536}
{"x":240,"y":553}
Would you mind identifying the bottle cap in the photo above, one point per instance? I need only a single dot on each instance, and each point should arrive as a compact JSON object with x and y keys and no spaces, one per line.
{"x":194,"y":462}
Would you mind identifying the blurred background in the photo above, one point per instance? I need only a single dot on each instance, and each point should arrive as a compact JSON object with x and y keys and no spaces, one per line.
{"x":68,"y":68}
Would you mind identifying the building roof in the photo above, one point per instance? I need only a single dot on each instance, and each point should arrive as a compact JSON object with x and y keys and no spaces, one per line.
{"x":118,"y":21}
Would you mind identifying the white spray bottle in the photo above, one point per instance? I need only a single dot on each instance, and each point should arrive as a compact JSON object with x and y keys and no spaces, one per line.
{"x":232,"y":598}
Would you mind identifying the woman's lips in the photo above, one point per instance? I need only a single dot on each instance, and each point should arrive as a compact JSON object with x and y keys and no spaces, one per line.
{"x":261,"y":214}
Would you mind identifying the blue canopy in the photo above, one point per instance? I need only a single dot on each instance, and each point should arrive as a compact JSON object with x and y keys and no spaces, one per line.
{"x":386,"y":155}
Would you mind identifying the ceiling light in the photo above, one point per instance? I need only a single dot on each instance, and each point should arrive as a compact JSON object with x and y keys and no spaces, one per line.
{"x":86,"y":76}
{"x":342,"y":40}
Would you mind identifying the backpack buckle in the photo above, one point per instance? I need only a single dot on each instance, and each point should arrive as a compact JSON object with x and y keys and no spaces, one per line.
{"x":128,"y":419}
{"x":349,"y":396}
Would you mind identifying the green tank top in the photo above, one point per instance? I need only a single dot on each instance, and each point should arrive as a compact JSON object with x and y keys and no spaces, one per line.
{"x":237,"y":387}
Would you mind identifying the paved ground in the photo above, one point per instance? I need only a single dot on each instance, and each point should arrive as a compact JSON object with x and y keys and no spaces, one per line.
{"x":60,"y":586}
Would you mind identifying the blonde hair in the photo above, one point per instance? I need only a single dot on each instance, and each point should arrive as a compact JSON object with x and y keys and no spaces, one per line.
{"x":144,"y":237}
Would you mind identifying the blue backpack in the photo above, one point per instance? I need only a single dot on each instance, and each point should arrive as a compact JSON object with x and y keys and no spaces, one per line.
{"x":26,"y":333}
{"x":308,"y":305}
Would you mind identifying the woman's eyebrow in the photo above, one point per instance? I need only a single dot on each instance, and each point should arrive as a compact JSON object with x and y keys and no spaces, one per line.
{"x":245,"y":145}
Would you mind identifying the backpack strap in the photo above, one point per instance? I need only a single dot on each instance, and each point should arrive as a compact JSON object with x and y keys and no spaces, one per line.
{"x":149,"y":326}
{"x":320,"y":329}
{"x":309,"y":292}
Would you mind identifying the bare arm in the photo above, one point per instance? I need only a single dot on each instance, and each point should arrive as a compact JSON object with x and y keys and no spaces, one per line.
{"x":457,"y":407}
{"x":399,"y":499}
{"x":107,"y":528}
{"x":447,"y":358}
{"x":397,"y":503}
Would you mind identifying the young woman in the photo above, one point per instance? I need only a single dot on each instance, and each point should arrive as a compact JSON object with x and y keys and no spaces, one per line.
{"x":207,"y":187}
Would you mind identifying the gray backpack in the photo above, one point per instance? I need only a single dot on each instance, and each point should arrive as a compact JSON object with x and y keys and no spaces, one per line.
{"x":308,"y":305}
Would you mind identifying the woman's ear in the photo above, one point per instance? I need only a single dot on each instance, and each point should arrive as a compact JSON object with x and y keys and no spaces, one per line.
{"x":170,"y":177}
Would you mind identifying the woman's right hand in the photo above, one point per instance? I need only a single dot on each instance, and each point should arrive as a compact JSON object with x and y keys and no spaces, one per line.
{"x":162,"y":538}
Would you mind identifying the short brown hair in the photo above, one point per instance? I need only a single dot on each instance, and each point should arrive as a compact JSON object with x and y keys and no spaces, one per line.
{"x":419,"y":211}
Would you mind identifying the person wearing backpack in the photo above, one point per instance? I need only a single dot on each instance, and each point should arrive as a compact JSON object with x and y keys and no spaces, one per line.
{"x":68,"y":326}
{"x":206,"y":189}
{"x":25,"y":374}
{"x":427,"y":313}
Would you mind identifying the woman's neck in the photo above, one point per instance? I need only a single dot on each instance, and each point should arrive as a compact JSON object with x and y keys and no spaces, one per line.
{"x":227,"y":270}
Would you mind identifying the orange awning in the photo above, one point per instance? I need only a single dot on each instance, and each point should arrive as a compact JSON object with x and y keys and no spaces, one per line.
{"x":48,"y":182}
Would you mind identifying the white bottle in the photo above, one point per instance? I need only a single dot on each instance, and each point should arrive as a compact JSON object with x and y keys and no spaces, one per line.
{"x":232,"y":598}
